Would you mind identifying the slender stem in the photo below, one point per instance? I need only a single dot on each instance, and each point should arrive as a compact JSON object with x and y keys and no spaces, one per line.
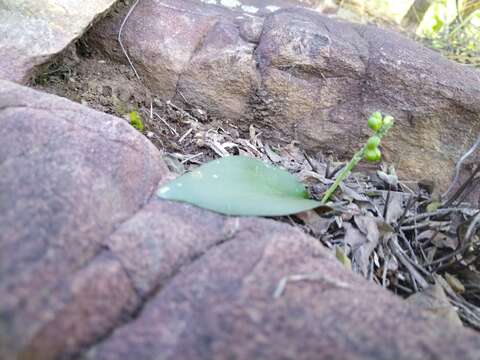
{"x":351,"y":165}
{"x":343,"y":175}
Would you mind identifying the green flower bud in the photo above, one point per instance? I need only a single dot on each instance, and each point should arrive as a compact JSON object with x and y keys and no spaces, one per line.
{"x":372,"y":155}
{"x":375,"y":121}
{"x":388,"y":120}
{"x":373,"y":142}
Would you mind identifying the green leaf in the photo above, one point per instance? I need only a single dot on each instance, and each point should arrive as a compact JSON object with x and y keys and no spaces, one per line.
{"x":238,"y":185}
{"x":438,"y":23}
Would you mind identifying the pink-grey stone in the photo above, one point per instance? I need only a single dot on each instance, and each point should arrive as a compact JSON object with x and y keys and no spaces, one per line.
{"x":298,"y":75}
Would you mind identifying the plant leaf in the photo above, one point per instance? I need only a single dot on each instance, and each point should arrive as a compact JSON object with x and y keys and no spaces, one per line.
{"x":238,"y":185}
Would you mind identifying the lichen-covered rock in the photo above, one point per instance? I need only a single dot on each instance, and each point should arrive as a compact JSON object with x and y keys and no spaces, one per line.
{"x":300,"y":75}
{"x":33,"y":31}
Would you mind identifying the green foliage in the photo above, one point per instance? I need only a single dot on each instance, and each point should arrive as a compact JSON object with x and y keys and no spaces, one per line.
{"x":372,"y":155}
{"x":238,"y":185}
{"x":373,"y":142}
{"x":452,"y":27}
{"x":369,"y":151}
{"x":136,"y":120}
{"x":453,"y":31}
{"x":437,"y":24}
{"x":375,"y":121}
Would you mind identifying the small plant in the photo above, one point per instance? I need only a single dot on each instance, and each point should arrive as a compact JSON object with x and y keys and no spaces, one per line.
{"x":136,"y":120}
{"x":238,"y":185}
{"x":370,"y":151}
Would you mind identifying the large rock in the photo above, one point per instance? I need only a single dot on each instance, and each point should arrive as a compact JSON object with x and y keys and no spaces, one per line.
{"x":91,"y":265}
{"x":304,"y":76}
{"x":226,"y":304}
{"x":33,"y":31}
{"x":70,"y":177}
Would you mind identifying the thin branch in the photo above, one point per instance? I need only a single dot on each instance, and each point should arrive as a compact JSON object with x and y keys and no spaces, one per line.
{"x":124,"y":50}
{"x":459,"y":165}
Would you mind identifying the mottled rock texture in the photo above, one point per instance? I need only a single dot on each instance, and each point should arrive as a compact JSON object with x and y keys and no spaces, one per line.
{"x":222,"y":306}
{"x":92,"y":266}
{"x":70,"y":177}
{"x":300,"y":75}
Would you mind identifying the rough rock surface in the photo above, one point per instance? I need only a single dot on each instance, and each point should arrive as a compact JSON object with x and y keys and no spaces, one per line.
{"x":222,"y":306}
{"x":70,"y":177}
{"x":92,"y":266}
{"x":32,"y":31}
{"x":304,"y":76}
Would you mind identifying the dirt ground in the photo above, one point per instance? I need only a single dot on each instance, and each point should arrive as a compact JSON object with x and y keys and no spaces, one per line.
{"x":84,"y":75}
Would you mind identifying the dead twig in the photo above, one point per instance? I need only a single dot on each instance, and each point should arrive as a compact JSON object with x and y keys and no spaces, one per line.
{"x":387,"y":202}
{"x":462,"y":188}
{"x":410,"y":202}
{"x":171,"y":128}
{"x":188,"y":132}
{"x":472,"y":228}
{"x":190,"y":158}
{"x":398,"y":252}
{"x":282,"y":284}
{"x":459,"y":166}
{"x":426,"y":224}
{"x":439,"y":212}
{"x":124,"y":50}
{"x":187,"y":114}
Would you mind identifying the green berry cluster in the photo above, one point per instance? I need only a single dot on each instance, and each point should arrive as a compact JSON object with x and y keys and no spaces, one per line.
{"x":378,"y":124}
{"x":370,"y":152}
